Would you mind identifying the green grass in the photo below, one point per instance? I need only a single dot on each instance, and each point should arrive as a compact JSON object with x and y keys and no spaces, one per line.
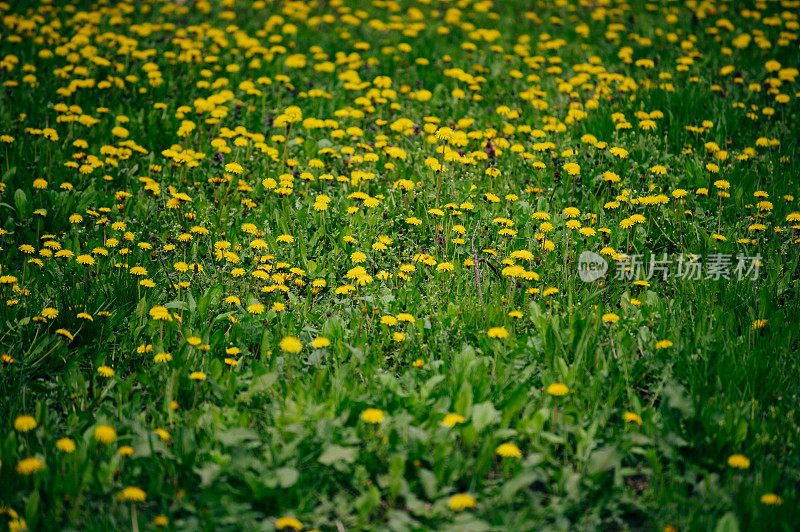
{"x":132,"y":274}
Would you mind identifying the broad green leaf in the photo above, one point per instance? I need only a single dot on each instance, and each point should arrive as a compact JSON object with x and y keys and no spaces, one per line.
{"x":483,"y":415}
{"x":287,"y":476}
{"x":727,"y":523}
{"x":336,"y":453}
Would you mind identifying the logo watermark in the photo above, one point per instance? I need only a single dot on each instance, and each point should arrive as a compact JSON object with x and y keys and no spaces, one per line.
{"x":591,"y":266}
{"x":685,"y":266}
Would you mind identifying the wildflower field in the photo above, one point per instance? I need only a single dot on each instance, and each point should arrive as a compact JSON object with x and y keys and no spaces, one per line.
{"x":399,"y":265}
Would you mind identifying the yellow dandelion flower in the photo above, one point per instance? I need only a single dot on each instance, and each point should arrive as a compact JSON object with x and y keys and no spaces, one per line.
{"x":372,"y":416}
{"x":125,"y":450}
{"x":497,"y":332}
{"x":286,"y":523}
{"x":630,"y":417}
{"x":739,"y":461}
{"x":610,"y":317}
{"x":234,"y":168}
{"x":770,"y":499}
{"x":451,"y":420}
{"x":29,"y":466}
{"x":508,"y":450}
{"x":65,"y":445}
{"x":320,"y":342}
{"x":132,"y":494}
{"x":105,"y":434}
{"x":24,"y":423}
{"x":461,"y":501}
{"x":290,"y":344}
{"x":557,"y":389}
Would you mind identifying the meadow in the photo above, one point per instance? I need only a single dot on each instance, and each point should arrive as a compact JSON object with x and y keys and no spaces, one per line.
{"x":399,"y":265}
